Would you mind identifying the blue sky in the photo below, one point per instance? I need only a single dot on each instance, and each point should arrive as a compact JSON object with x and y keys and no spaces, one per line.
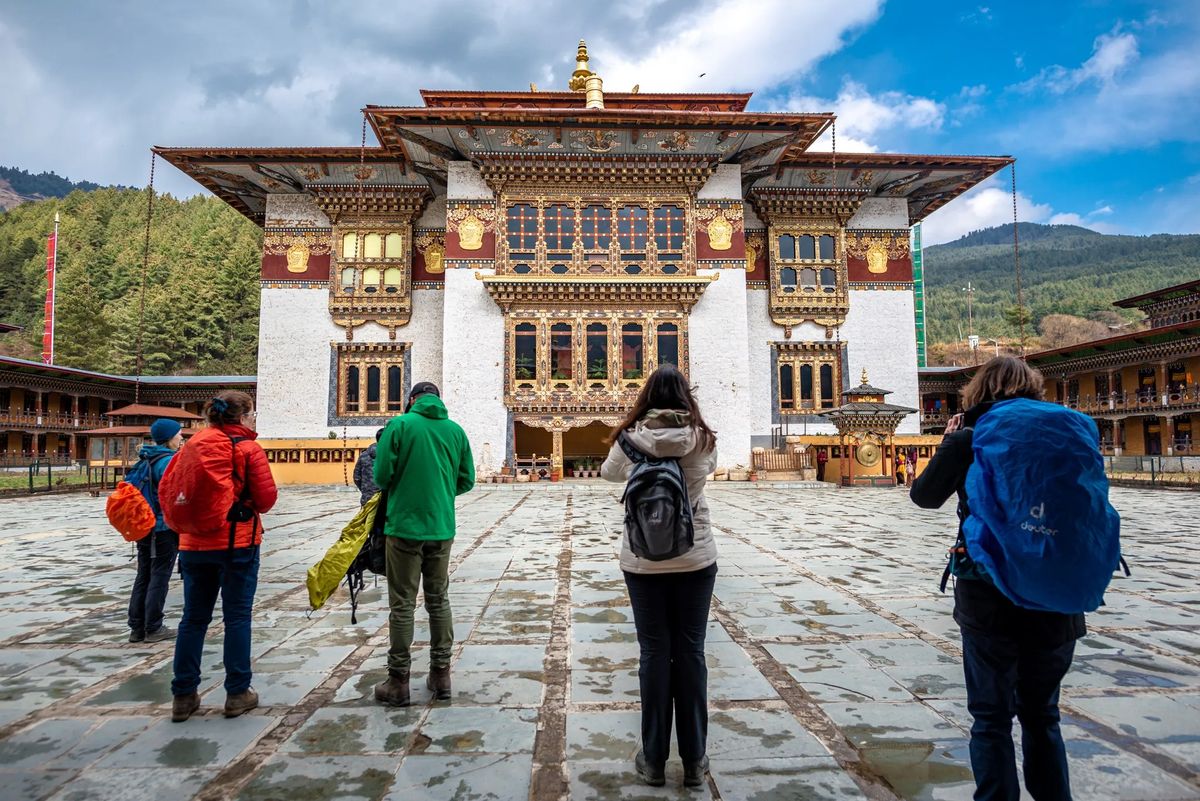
{"x":1099,"y":101}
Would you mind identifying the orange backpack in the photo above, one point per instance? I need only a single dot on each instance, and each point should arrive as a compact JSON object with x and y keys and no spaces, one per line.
{"x":128,"y":509}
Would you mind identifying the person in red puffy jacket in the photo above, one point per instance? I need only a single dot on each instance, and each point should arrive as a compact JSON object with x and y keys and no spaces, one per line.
{"x":221,"y":466}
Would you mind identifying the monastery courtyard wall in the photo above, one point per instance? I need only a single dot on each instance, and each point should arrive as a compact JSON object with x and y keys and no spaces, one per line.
{"x":833,"y":661}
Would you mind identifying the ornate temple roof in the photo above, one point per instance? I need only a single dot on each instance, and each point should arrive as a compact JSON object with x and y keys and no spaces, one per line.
{"x":694,"y":130}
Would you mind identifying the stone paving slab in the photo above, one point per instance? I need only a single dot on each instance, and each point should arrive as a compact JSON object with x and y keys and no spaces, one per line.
{"x":833,"y":661}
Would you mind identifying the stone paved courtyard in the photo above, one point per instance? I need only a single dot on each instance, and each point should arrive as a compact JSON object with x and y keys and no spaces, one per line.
{"x":833,"y":661}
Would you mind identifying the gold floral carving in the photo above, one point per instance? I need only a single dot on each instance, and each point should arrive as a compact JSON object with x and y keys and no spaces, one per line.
{"x":877,"y":249}
{"x":433,"y":248}
{"x":720,"y":233}
{"x":470,"y":233}
{"x":818,"y":177}
{"x":309,"y":172}
{"x":520,"y":137}
{"x":864,"y":178}
{"x":297,"y":257}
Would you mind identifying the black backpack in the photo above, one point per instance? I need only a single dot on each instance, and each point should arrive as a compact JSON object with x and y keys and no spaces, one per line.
{"x":371,"y":557}
{"x":658,"y":513}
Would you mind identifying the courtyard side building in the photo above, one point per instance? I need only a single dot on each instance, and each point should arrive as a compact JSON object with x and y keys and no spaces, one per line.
{"x":538,"y":254}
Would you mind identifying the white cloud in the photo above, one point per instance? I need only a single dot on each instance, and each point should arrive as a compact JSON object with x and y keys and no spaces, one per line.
{"x":990,"y":204}
{"x":862,"y":118}
{"x":1112,"y":53}
{"x":230,"y":73}
{"x":735,"y":45}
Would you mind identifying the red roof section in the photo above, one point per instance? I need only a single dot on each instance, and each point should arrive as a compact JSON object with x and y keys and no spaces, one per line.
{"x":144,"y":410}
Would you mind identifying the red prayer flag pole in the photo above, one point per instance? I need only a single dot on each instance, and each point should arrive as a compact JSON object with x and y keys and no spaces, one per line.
{"x":51,"y":264}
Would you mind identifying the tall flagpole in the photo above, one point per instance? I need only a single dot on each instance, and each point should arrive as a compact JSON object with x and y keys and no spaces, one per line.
{"x":51,"y":269}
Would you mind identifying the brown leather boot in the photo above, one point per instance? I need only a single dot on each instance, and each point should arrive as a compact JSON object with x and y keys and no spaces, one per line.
{"x":439,"y":682}
{"x":241,"y":703}
{"x":394,"y":691}
{"x":183,"y":706}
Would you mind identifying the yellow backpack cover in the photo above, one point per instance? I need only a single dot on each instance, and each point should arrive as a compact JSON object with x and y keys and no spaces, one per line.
{"x":325,"y":576}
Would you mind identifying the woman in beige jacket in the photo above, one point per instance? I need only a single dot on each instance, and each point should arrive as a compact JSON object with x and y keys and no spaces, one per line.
{"x":671,"y":598}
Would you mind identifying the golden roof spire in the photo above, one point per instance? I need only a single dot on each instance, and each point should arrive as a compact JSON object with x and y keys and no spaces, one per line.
{"x":581,"y":74}
{"x":864,"y":380}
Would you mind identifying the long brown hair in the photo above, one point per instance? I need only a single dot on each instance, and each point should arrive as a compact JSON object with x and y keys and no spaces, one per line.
{"x":666,"y":388}
{"x":1003,"y":377}
{"x":228,"y":407}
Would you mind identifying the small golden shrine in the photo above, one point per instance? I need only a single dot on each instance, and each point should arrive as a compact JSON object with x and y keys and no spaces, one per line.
{"x":866,"y":427}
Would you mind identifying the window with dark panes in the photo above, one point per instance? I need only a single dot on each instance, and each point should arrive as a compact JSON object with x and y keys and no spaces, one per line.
{"x":525,"y":352}
{"x":668,"y":344}
{"x":395,"y":389}
{"x":633,"y":231}
{"x":352,"y":381}
{"x":597,"y":351}
{"x":668,"y":233}
{"x":787,"y":279}
{"x":787,"y":247}
{"x":827,"y":250}
{"x":787,"y":388}
{"x":828,"y":279}
{"x":522,"y":227}
{"x":806,"y":386}
{"x":560,"y":352}
{"x":373,"y":389}
{"x":807,"y":249}
{"x":632,"y":364}
{"x":827,"y":399}
{"x":595,"y":227}
{"x":558,"y":221}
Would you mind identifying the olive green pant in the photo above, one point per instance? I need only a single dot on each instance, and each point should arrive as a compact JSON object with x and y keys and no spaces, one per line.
{"x":411,"y":564}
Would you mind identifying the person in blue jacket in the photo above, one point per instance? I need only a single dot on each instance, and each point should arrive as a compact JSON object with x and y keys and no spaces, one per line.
{"x":155,"y":553}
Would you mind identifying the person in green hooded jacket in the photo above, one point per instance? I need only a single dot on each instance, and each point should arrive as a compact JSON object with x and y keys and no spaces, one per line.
{"x":423,"y":462}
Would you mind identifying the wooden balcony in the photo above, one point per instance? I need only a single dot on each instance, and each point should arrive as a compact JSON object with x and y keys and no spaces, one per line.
{"x":1183,"y":398}
{"x":47,"y":421}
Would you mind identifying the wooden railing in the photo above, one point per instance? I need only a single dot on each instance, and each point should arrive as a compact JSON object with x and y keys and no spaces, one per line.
{"x":1141,"y":400}
{"x":48,"y":420}
{"x":785,"y":460}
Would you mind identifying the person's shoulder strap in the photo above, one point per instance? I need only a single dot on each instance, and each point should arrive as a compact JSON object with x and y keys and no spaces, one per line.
{"x":631,"y":452}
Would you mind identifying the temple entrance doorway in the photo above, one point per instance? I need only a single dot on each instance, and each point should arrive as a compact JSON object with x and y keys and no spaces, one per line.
{"x":579,"y":451}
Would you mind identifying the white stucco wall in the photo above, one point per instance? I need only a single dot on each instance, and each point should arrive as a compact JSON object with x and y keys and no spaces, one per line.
{"x":294,"y":338}
{"x":434,"y":215}
{"x":719,"y":366}
{"x":473,"y":365}
{"x":724,"y":184}
{"x":880,"y":331}
{"x":465,"y":183}
{"x":762,"y":332}
{"x":881,"y":212}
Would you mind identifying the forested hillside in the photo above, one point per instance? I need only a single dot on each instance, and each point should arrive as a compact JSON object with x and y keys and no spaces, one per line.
{"x":1065,"y":269}
{"x":201,"y":311}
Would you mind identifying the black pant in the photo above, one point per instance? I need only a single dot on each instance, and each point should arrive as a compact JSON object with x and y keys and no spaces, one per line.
{"x":156,"y":559}
{"x":670,"y":611}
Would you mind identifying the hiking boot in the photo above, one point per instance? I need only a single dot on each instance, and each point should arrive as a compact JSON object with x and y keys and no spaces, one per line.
{"x":394,"y":691}
{"x":653,"y":776}
{"x":183,"y":706}
{"x":693,"y":774}
{"x":136,"y":636}
{"x":241,"y":703}
{"x":438,"y":681}
{"x":160,"y":634}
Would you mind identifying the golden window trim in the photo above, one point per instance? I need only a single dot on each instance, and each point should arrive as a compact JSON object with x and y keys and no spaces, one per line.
{"x":390,"y":304}
{"x":364,"y":355}
{"x":791,"y":309}
{"x":614,"y":392}
{"x":814,"y":354}
{"x":583,"y":260}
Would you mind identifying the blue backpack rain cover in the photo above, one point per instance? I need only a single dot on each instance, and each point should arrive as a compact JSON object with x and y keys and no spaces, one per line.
{"x":1041,"y":525}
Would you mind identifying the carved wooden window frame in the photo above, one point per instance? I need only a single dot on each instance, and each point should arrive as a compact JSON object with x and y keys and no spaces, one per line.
{"x":614,"y":391}
{"x":814,"y":355}
{"x":791,"y":308}
{"x":366,"y":291}
{"x":585,"y":261}
{"x":364,"y":356}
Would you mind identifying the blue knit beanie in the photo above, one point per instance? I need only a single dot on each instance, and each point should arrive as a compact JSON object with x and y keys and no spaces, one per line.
{"x":164,"y":430}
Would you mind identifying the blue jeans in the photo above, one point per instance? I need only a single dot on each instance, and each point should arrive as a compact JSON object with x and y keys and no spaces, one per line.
{"x":1007,"y":677}
{"x":670,"y":611}
{"x":155,"y":561}
{"x":233,"y":574}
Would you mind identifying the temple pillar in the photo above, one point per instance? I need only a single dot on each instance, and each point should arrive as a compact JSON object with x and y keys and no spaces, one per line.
{"x":473,"y":338}
{"x":1117,"y":438}
{"x":74,"y":415}
{"x":71,"y":447}
{"x":37,"y":409}
{"x":556,"y":457}
{"x":1163,"y":393}
{"x":1169,"y":434}
{"x":1112,"y":394}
